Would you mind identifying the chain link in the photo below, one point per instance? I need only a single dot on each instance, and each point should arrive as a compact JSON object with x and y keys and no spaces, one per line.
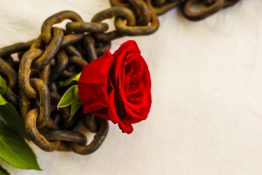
{"x":59,"y":53}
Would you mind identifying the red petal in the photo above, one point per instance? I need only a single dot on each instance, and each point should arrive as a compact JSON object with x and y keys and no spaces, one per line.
{"x":93,"y":82}
{"x":126,"y":128}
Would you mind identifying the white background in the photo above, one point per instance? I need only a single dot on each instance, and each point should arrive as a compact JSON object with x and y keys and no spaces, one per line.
{"x":206,"y":117}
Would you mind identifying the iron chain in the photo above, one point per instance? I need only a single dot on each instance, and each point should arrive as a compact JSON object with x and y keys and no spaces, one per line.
{"x":34,"y":69}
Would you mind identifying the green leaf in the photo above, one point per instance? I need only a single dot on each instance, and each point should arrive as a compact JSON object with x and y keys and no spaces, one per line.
{"x":75,"y":93}
{"x":2,"y":100}
{"x":3,"y":86}
{"x":74,"y":108}
{"x":3,"y":171}
{"x":71,"y":80}
{"x":68,"y":98}
{"x":13,"y":119}
{"x":15,"y":151}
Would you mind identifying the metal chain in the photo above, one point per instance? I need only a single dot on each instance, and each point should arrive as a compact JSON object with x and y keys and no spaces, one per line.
{"x":34,"y":69}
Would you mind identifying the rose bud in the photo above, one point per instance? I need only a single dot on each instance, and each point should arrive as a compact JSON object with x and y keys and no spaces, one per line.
{"x":117,"y":87}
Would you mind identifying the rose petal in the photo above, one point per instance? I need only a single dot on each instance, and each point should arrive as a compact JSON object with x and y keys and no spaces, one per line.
{"x":117,"y":87}
{"x":126,"y":128}
{"x":93,"y":82}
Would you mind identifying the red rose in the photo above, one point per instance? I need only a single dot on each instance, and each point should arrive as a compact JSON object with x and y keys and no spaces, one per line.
{"x":117,"y":87}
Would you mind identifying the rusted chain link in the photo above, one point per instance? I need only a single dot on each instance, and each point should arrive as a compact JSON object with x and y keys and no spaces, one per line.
{"x":200,"y":9}
{"x":34,"y":70}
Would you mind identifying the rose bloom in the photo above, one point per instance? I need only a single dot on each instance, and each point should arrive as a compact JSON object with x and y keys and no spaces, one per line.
{"x":117,"y":87}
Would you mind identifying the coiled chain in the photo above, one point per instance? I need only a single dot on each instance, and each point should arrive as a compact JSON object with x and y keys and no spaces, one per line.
{"x":35,"y":69}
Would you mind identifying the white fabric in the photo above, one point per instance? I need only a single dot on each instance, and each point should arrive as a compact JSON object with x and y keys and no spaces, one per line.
{"x":206,"y":117}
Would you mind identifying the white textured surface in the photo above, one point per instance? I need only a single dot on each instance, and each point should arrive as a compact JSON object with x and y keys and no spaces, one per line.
{"x":206,"y":117}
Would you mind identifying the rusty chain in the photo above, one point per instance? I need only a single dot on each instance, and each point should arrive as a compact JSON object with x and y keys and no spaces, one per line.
{"x":35,"y":69}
